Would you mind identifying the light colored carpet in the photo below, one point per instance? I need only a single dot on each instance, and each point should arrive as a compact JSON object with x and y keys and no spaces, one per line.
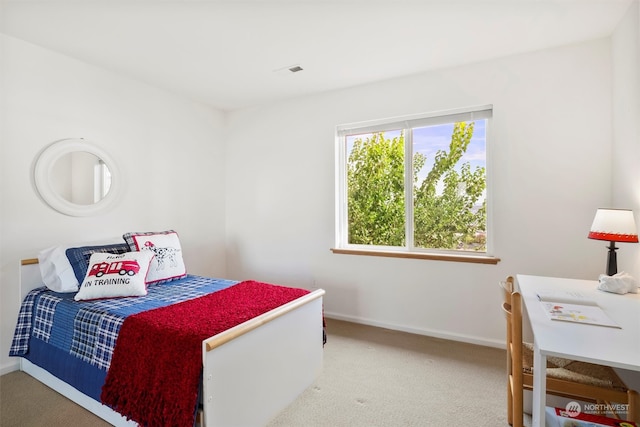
{"x":25,"y":402}
{"x":371,"y":377}
{"x":379,"y":377}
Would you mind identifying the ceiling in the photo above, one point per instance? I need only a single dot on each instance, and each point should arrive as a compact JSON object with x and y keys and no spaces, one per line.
{"x":232,"y":54}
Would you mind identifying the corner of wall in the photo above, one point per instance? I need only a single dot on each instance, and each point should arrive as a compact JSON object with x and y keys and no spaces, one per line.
{"x":11,"y":367}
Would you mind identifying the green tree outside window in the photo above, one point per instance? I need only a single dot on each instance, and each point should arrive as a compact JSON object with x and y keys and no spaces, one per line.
{"x":449,"y":208}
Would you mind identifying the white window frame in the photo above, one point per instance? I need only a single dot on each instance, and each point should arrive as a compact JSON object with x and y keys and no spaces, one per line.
{"x":408,"y":122}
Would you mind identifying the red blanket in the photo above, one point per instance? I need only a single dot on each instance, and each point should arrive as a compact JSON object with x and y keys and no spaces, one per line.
{"x":157,"y":361}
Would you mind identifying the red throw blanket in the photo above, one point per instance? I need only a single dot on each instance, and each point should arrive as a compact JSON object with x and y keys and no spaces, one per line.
{"x":157,"y":361}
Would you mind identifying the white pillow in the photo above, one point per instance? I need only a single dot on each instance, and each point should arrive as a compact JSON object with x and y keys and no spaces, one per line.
{"x":56,"y":270}
{"x":115,"y":275}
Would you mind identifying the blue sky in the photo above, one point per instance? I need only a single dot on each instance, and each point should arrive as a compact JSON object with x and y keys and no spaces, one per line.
{"x":428,"y":140}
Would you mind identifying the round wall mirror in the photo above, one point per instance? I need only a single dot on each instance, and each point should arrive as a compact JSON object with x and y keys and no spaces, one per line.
{"x":76,"y":177}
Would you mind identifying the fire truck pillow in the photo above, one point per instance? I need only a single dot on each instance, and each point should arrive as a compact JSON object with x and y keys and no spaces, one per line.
{"x":115,"y":275}
{"x":167,"y":264}
{"x":79,"y":257}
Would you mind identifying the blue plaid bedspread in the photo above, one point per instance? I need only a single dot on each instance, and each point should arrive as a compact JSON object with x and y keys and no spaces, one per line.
{"x":89,"y":329}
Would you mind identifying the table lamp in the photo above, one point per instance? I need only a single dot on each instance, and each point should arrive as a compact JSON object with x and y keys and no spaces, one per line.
{"x":614,"y":225}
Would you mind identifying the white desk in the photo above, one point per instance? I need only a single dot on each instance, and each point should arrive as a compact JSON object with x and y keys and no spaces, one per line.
{"x":619,"y":348}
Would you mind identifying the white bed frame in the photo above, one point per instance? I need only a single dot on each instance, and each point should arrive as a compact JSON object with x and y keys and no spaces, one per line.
{"x":251,"y":372}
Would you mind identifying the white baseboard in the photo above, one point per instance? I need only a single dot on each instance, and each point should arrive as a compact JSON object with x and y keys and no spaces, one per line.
{"x":418,"y":331}
{"x":10,"y":368}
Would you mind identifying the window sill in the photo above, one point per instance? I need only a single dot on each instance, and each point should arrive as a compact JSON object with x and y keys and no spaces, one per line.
{"x":477,"y":259}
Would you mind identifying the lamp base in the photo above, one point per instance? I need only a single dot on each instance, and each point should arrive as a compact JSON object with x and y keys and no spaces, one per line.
{"x":612,"y":259}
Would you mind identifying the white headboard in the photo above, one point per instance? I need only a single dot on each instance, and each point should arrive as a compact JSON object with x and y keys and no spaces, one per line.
{"x":30,"y":277}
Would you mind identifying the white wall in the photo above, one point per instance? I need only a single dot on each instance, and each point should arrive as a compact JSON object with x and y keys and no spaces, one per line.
{"x":552,"y":163}
{"x":626,"y":128}
{"x":550,"y":170}
{"x":169,"y":149}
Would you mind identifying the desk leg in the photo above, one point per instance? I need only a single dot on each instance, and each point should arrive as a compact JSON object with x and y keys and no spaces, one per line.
{"x":539,"y":387}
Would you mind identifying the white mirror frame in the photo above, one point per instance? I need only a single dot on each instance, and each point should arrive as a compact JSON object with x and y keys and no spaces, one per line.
{"x":42,"y":177}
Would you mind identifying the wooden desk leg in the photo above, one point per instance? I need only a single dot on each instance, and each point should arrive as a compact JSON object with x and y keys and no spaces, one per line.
{"x":539,"y":387}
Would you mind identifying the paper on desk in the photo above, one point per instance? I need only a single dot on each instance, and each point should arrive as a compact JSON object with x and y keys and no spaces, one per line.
{"x":578,"y":313}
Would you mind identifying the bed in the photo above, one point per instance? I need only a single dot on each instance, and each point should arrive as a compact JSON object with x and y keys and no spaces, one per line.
{"x":249,"y":372}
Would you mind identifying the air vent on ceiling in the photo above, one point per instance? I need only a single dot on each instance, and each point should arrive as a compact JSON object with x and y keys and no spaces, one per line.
{"x":295,"y":68}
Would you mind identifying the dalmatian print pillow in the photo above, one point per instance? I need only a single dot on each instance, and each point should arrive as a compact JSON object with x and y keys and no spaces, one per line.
{"x":167,"y":264}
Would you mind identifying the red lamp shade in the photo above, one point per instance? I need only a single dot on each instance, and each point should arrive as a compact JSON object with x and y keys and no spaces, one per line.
{"x":614,"y":225}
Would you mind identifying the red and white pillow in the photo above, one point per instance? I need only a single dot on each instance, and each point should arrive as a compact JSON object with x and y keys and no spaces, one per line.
{"x":115,"y":275}
{"x":167,"y":264}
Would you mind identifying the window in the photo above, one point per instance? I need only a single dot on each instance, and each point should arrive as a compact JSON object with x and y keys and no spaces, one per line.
{"x":414,"y":184}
